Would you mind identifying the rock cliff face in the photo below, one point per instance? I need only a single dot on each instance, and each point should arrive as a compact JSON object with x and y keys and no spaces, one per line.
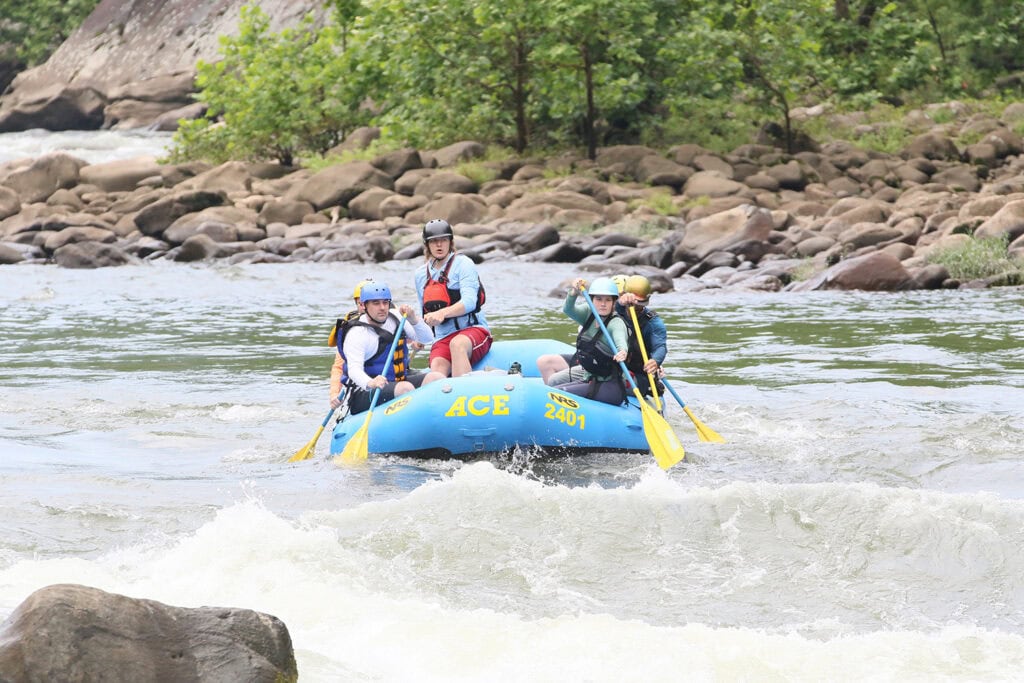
{"x":131,"y":62}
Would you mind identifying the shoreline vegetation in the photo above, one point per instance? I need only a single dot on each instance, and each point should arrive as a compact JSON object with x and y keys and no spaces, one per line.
{"x":730,"y":156}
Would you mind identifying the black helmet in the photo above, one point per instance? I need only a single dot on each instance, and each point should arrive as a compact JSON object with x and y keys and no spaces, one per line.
{"x":437,"y":228}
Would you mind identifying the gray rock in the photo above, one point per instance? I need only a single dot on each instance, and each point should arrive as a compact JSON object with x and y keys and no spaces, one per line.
{"x":874,"y":272}
{"x":37,"y":179}
{"x":535,"y":239}
{"x":398,"y":162}
{"x":76,"y":633}
{"x":454,"y":153}
{"x":55,"y":106}
{"x":931,"y":146}
{"x":9,"y":202}
{"x":338,"y":185}
{"x":91,"y":255}
{"x":156,"y":217}
{"x":444,"y":182}
{"x":10,"y":254}
{"x":119,"y":176}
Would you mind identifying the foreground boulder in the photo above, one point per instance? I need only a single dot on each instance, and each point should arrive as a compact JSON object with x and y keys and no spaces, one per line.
{"x":69,"y":632}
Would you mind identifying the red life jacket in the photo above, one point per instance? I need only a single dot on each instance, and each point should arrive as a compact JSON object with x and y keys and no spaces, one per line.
{"x":437,"y":294}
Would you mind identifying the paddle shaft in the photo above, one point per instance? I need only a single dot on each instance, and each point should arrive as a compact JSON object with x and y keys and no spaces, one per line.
{"x":341,"y":395}
{"x":673,"y":392}
{"x":358,"y":447}
{"x":703,"y":431}
{"x":307,"y":450}
{"x":643,"y":354}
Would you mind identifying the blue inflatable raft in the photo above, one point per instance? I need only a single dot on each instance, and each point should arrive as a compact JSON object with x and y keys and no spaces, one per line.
{"x":492,"y":412}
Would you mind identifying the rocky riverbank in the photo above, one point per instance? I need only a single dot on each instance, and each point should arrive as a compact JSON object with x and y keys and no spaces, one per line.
{"x":835,"y":216}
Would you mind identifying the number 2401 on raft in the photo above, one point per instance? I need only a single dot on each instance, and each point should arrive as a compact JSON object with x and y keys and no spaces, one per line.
{"x":569,"y":417}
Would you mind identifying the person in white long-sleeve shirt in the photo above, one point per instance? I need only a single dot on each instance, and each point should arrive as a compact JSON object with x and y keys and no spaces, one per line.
{"x":365,"y":349}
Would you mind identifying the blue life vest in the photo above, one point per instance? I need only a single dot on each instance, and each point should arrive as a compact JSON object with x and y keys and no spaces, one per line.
{"x":374,"y":365}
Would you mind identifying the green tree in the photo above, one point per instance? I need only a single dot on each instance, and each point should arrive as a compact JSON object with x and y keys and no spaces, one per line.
{"x":600,"y":47}
{"x":37,"y":27}
{"x":273,"y":96}
{"x":776,"y":45}
{"x":462,"y":68}
{"x":876,"y":50}
{"x":346,"y":13}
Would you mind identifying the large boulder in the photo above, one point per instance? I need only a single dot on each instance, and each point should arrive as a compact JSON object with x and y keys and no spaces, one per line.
{"x":623,"y":159}
{"x":1007,"y":222}
{"x":155,"y":218}
{"x":10,"y":254}
{"x":86,"y":255}
{"x":54,"y":107}
{"x":10,"y":204}
{"x":139,"y":51}
{"x":445,"y":182}
{"x":457,"y":152}
{"x":122,"y":175}
{"x":69,"y":632}
{"x":339,"y":184}
{"x":36,"y":179}
{"x":931,"y":146}
{"x":875,"y":272}
{"x":725,"y":229}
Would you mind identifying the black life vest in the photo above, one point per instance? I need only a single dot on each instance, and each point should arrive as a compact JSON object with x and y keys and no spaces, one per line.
{"x":634,"y":357}
{"x":340,"y":326}
{"x":437,"y":294}
{"x":592,"y":352}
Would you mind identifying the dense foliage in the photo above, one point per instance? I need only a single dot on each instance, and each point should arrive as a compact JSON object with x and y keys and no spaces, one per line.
{"x":276,"y":94}
{"x":31,"y":29}
{"x":539,"y":73}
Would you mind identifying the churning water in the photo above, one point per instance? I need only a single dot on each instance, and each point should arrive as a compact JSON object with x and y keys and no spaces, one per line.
{"x":865,"y":519}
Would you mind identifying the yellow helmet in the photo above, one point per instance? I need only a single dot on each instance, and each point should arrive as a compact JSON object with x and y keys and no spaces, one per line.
{"x":639,"y":285}
{"x":357,"y":292}
{"x":620,"y":282}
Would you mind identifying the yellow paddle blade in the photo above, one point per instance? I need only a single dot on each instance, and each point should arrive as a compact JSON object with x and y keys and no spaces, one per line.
{"x":306,"y":451}
{"x":664,"y":444}
{"x":704,"y":433}
{"x":358,"y":447}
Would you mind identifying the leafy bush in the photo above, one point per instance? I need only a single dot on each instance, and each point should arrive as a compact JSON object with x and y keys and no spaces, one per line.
{"x":718,"y":125}
{"x":978,"y":258}
{"x":477,"y":171}
{"x":659,"y":202}
{"x":279,"y":96}
{"x":35,"y":28}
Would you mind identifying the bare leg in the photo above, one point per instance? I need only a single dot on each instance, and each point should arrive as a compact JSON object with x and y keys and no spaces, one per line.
{"x":461,"y":348}
{"x":403,"y":388}
{"x":549,"y":364}
{"x":439,"y":369}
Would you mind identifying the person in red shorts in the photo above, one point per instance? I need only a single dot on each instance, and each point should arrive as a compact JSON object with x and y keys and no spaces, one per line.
{"x":451,"y":297}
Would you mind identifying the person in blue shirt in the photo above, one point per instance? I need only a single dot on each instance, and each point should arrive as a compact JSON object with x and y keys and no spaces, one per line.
{"x":636,"y":292}
{"x":451,"y":296}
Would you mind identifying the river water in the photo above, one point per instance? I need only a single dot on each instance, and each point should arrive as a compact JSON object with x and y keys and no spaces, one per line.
{"x":865,"y":520}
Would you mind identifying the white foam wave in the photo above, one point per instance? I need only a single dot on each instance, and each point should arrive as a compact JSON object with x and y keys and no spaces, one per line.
{"x":92,"y":146}
{"x":250,"y":558}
